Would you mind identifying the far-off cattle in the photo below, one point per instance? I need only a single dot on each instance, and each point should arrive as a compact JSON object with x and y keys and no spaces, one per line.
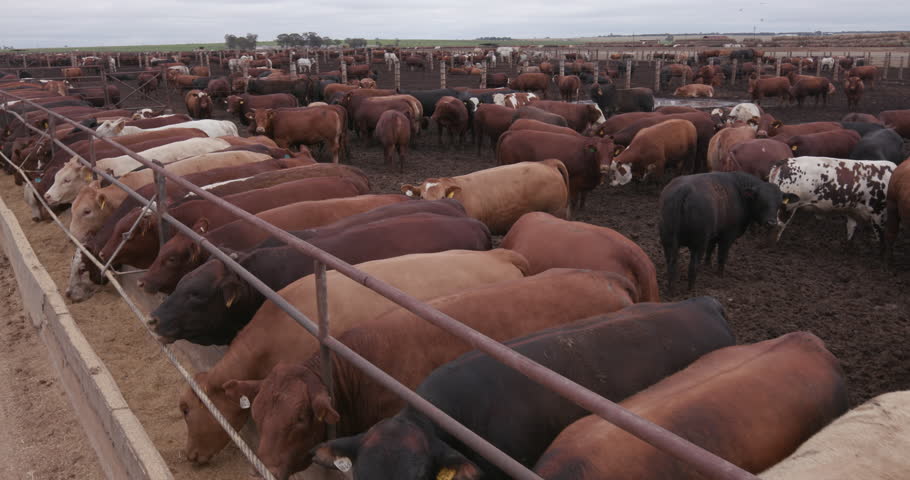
{"x":531,"y":82}
{"x":695,"y":90}
{"x":198,"y":104}
{"x":569,"y":87}
{"x":760,"y":88}
{"x":807,"y":86}
{"x":293,"y":127}
{"x":751,"y":405}
{"x":451,"y":115}
{"x":394,"y":133}
{"x":868,"y":74}
{"x":605,"y":354}
{"x":853,"y":89}
{"x":711,"y":210}
{"x":855,"y":188}
{"x":242,"y":105}
{"x":672,"y":144}
{"x":500,"y":196}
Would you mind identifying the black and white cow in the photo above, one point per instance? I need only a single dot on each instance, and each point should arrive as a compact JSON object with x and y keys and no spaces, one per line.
{"x":855,"y":188}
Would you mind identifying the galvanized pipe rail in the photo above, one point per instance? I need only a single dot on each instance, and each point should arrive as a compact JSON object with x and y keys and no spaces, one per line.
{"x":702,"y":460}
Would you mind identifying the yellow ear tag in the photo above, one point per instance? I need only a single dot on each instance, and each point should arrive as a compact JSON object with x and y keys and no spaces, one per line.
{"x":450,"y":195}
{"x":793,"y":148}
{"x":103,"y":202}
{"x":445,"y":474}
{"x":230,"y":301}
{"x":785,"y":201}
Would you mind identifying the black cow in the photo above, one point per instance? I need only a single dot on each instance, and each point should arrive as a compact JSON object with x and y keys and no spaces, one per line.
{"x":711,"y":210}
{"x":428,"y":98}
{"x":615,"y":355}
{"x":862,"y":128}
{"x":622,"y":100}
{"x":300,"y":88}
{"x":201,"y":83}
{"x":881,"y":144}
{"x":211,"y":304}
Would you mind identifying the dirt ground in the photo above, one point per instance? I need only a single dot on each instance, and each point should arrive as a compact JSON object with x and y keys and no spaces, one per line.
{"x":40,"y":437}
{"x":809,"y":281}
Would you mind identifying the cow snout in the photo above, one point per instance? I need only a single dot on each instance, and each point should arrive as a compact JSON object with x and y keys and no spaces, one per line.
{"x":140,"y":284}
{"x":260,"y":130}
{"x":197,"y":459}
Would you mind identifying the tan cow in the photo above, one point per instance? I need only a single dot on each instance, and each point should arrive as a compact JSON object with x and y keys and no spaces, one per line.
{"x":695,"y":90}
{"x":499,"y":196}
{"x":672,"y":143}
{"x":272,"y":336}
{"x":723,"y":141}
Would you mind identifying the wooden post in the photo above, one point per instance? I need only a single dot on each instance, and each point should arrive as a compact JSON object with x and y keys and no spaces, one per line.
{"x":562,"y":68}
{"x":397,"y":76}
{"x":596,"y":70}
{"x":900,"y":70}
{"x":799,"y":69}
{"x":887,"y":66}
{"x":344,"y":72}
{"x":442,"y":74}
{"x":818,"y":68}
{"x":759,"y":66}
{"x":292,"y":70}
{"x":629,"y":73}
{"x":48,"y":57}
{"x":483,"y":75}
{"x":316,"y":63}
{"x":836,"y":71}
{"x":657,"y":66}
{"x":778,"y":67}
{"x":733,"y":72}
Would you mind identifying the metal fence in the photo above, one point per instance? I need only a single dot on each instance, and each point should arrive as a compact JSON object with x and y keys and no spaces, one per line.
{"x":705,"y":462}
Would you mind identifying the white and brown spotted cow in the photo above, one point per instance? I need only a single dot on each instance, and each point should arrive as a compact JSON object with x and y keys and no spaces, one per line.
{"x":855,"y":188}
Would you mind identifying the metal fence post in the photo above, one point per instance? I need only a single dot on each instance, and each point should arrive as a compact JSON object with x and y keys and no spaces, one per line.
{"x":442,"y":74}
{"x":325,"y":354}
{"x":900,"y":70}
{"x":51,"y":128}
{"x":344,"y":71}
{"x":657,"y":66}
{"x":629,"y":73}
{"x":92,"y":157}
{"x":562,"y":68}
{"x":397,"y":75}
{"x":483,"y":75}
{"x":733,"y":72}
{"x":161,"y":208}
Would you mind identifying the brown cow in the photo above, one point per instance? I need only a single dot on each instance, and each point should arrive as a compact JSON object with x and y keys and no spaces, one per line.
{"x":200,"y":71}
{"x":452,"y":115}
{"x":394,"y":133}
{"x":581,"y":156}
{"x":769,"y":87}
{"x":292,"y":127}
{"x":673,"y":143}
{"x":724,"y":141}
{"x":899,"y":120}
{"x":531,"y":82}
{"x":537,"y":125}
{"x":148,"y":82}
{"x":549,"y":242}
{"x":808,"y":86}
{"x":198,"y":104}
{"x":704,"y":127}
{"x":831,"y":143}
{"x":867,"y":74}
{"x":569,"y":86}
{"x":898,"y":205}
{"x":369,"y":111}
{"x":853,"y":89}
{"x":524,"y":187}
{"x":360,"y":72}
{"x":246,"y":103}
{"x":578,"y":115}
{"x":692,"y":91}
{"x":218,"y":89}
{"x":778,"y":129}
{"x":751,"y":405}
{"x":618,"y":122}
{"x":272,"y":336}
{"x":72,"y":74}
{"x":491,"y":121}
{"x":712,"y":75}
{"x":501,"y":311}
{"x":497,"y":80}
{"x":755,"y":157}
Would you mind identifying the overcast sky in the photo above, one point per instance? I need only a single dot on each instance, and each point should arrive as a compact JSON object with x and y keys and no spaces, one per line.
{"x":51,"y":23}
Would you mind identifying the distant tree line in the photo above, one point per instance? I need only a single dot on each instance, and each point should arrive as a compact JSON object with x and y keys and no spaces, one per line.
{"x":313,"y":40}
{"x":247,"y":42}
{"x":494,"y":38}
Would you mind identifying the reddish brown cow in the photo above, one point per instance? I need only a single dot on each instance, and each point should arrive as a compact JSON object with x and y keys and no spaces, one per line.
{"x":755,"y":157}
{"x":394,"y":132}
{"x":898,"y":205}
{"x":831,"y":143}
{"x":770,"y":87}
{"x":672,"y":143}
{"x":899,"y":120}
{"x":369,"y":111}
{"x":861,"y":118}
{"x":867,"y":74}
{"x":537,"y":125}
{"x":452,"y":115}
{"x":578,"y":115}
{"x":621,"y":121}
{"x":671,"y":109}
{"x":778,"y":129}
{"x":491,"y":121}
{"x":722,"y":142}
{"x":581,"y":245}
{"x":712,"y":75}
{"x":569,"y":87}
{"x":808,"y":86}
{"x":244,"y":104}
{"x":531,"y":82}
{"x":360,"y":71}
{"x":853,"y":89}
{"x":581,"y":156}
{"x":292,"y":127}
{"x":72,"y":74}
{"x":497,"y":80}
{"x":704,"y":127}
{"x":218,"y":89}
{"x":198,"y":104}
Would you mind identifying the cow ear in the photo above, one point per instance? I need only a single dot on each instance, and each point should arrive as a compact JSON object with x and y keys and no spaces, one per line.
{"x":271,"y":114}
{"x":201,"y":226}
{"x":102,"y":200}
{"x":452,"y":465}
{"x":241,"y":391}
{"x":338,"y":454}
{"x":777,"y":124}
{"x":250,"y":115}
{"x":411,"y":190}
{"x":322,"y":405}
{"x":451,"y":191}
{"x":790,"y":198}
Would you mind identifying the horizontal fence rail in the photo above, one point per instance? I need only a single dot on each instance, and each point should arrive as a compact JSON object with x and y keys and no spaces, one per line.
{"x":705,"y":462}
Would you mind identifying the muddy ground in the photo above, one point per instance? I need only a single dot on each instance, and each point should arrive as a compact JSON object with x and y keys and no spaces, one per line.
{"x":810,"y":281}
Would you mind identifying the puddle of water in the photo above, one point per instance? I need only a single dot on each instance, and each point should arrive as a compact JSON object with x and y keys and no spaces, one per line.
{"x":696,"y":102}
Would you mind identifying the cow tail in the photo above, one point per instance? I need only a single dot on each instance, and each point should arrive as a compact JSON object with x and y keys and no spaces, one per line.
{"x":561,"y":167}
{"x":672,"y":212}
{"x":499,"y":147}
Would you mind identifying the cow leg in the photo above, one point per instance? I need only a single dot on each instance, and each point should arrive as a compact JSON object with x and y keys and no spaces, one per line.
{"x":439,"y":132}
{"x":851,"y":229}
{"x":892,"y":227}
{"x":723,"y":251}
{"x":711,"y":245}
{"x":671,"y":254}
{"x":696,"y":253}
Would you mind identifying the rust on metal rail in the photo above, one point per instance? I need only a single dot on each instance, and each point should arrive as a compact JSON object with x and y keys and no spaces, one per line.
{"x":705,"y":462}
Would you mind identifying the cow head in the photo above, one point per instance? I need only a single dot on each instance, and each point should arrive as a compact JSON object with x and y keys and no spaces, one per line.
{"x":773,"y":127}
{"x":396,"y":448}
{"x":142,"y":241}
{"x":764,"y":200}
{"x":68,"y":181}
{"x":89,"y":211}
{"x":111,"y":128}
{"x":595,"y":114}
{"x":432,"y":189}
{"x":261,"y":120}
{"x":179,"y":256}
{"x":291,"y":408}
{"x":234,"y":104}
{"x":205,"y":437}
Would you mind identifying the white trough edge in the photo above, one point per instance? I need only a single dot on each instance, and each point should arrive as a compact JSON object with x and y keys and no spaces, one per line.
{"x":123,"y":447}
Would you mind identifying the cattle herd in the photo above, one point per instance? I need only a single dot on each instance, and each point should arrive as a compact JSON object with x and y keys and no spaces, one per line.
{"x":581,"y":299}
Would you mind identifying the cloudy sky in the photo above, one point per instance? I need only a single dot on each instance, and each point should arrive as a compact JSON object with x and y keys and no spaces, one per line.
{"x":51,"y":23}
